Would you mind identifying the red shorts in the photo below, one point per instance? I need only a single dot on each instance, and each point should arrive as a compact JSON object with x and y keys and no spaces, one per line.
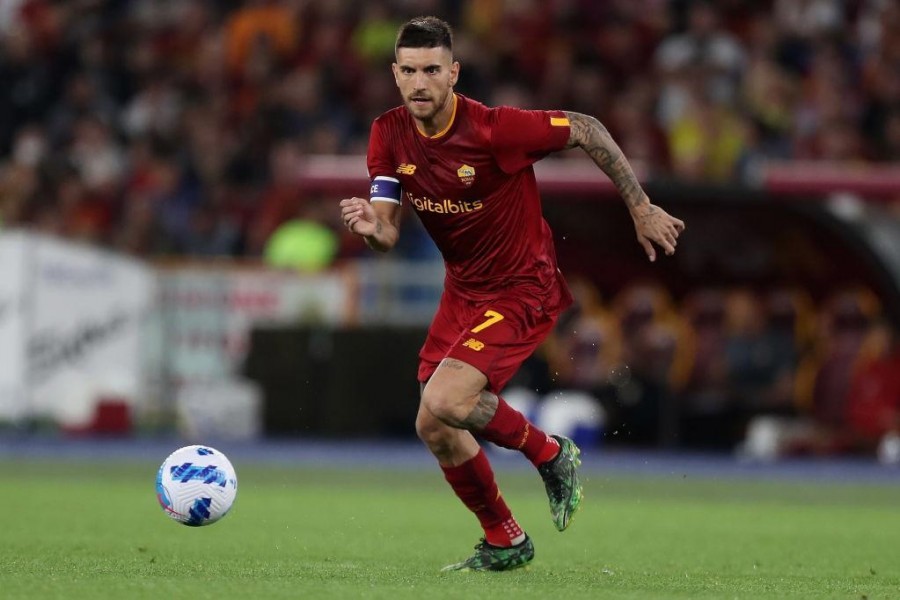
{"x":495,"y":336}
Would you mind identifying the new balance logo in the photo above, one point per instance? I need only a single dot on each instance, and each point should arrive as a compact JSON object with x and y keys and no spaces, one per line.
{"x":474,"y":344}
{"x":406,"y":169}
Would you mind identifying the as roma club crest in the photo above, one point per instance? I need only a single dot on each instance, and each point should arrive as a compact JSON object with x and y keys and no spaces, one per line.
{"x":466,"y":175}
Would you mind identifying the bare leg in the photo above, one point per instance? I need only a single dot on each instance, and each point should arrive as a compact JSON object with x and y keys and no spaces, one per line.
{"x":468,"y":470}
{"x":456,"y":396}
{"x":451,"y":446}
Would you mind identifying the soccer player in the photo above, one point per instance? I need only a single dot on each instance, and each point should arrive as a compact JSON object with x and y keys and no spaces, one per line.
{"x":466,"y":170}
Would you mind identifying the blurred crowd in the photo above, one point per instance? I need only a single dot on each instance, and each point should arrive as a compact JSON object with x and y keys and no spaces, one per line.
{"x":786,"y":374}
{"x":177,"y":127}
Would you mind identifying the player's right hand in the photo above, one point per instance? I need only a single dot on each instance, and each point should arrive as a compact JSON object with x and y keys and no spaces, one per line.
{"x":359,"y":216}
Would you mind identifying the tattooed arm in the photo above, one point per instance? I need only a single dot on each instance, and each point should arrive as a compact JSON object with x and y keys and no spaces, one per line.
{"x":651,"y":223}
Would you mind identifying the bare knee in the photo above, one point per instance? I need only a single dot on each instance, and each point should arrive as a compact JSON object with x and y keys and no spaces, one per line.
{"x":446,"y":406}
{"x":437,"y":435}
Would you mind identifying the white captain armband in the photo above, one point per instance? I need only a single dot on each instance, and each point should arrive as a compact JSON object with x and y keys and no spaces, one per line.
{"x":385,"y":189}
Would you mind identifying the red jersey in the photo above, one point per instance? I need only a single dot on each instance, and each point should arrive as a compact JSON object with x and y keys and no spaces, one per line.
{"x":473,"y":187}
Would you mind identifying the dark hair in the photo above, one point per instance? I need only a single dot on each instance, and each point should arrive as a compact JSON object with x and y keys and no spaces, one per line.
{"x":425,"y":32}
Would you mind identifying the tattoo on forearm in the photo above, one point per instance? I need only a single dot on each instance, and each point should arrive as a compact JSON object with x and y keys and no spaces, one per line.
{"x":373,"y":241}
{"x":592,"y":136}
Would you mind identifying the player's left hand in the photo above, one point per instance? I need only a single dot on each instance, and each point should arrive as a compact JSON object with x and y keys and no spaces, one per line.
{"x":654,"y":225}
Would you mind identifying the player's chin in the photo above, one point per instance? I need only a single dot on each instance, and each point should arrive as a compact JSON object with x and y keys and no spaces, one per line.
{"x":421,"y":110}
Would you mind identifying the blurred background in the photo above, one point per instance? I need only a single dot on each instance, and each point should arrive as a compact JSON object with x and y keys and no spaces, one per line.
{"x":173,"y":262}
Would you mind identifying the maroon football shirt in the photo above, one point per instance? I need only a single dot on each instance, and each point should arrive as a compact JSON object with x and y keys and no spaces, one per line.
{"x":473,"y":187}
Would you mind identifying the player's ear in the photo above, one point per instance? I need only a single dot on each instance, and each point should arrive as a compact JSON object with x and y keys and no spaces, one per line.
{"x":395,"y":69}
{"x":454,"y":72}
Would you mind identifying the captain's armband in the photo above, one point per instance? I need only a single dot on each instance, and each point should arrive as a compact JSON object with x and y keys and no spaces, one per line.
{"x":385,"y":189}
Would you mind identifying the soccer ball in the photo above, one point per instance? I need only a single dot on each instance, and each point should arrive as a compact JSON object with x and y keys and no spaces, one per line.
{"x":196,"y":485}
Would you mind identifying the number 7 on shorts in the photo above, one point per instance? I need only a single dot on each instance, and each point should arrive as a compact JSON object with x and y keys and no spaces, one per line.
{"x":492,"y":318}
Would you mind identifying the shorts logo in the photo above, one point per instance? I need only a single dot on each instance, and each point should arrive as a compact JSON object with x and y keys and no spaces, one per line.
{"x":466,"y":175}
{"x":406,"y":169}
{"x":474,"y":344}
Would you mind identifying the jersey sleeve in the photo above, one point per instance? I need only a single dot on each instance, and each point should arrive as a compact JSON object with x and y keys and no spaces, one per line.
{"x":520,"y":138}
{"x":378,"y":158}
{"x":385,"y":187}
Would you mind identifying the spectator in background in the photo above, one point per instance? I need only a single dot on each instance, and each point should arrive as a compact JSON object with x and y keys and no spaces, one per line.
{"x":260,"y":24}
{"x":19,"y":187}
{"x":640,"y":136}
{"x":808,"y":19}
{"x":767,"y":91}
{"x":156,"y":109}
{"x":83,"y":99}
{"x":847,"y":319}
{"x":705,"y":61}
{"x":873,"y":402}
{"x":97,"y":156}
{"x":654,"y":351}
{"x":585,"y":349}
{"x":827,"y":107}
{"x":706,"y":140}
{"x":213,"y":229}
{"x":30,"y":147}
{"x":790,"y":329}
{"x":823,"y":382}
{"x":373,"y":38}
{"x":761,"y":354}
{"x":880,"y":63}
{"x":27,"y":82}
{"x":220,"y":84}
{"x":889,"y":147}
{"x":283,"y":198}
{"x":209,"y":149}
{"x":175,"y":196}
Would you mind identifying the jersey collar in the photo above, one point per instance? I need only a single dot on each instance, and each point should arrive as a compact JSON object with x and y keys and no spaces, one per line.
{"x":443,"y":131}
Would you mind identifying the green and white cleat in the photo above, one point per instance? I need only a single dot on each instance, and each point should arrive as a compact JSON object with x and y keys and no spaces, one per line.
{"x":496,"y":558}
{"x":560,"y":477}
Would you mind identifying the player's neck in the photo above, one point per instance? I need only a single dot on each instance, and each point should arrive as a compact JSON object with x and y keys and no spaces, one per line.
{"x":441,"y":122}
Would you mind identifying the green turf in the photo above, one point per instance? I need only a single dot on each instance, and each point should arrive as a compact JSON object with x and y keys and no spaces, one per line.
{"x":95,"y":531}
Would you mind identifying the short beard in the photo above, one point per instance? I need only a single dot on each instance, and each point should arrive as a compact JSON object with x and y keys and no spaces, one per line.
{"x":436,"y":108}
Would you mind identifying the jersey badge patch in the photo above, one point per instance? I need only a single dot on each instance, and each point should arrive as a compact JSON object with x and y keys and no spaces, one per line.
{"x":466,"y":175}
{"x":406,"y":169}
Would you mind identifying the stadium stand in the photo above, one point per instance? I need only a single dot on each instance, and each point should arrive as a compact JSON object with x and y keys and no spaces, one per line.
{"x":185,"y":129}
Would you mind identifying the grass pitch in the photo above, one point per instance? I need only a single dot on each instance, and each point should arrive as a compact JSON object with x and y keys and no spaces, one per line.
{"x":94,"y":530}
